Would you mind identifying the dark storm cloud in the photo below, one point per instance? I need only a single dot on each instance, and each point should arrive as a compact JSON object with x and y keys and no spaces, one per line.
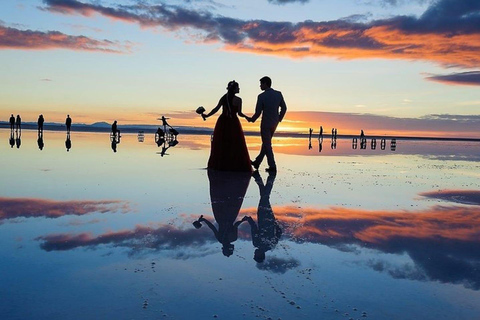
{"x":471,"y":78}
{"x":448,"y":32}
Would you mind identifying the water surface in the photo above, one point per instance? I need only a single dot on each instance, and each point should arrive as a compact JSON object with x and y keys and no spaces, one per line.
{"x":91,"y":233}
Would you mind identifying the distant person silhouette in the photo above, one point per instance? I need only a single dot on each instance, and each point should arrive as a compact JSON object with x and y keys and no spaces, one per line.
{"x":335,"y":133}
{"x":320,"y":135}
{"x":229,"y":150}
{"x":115,"y":130}
{"x":227,"y":190}
{"x":68,"y":123}
{"x":68,"y":142}
{"x":40,"y":122}
{"x":18,"y":123}
{"x":267,"y":233}
{"x":268,"y":104}
{"x":362,"y":135}
{"x":40,"y":141}
{"x":12,"y":122}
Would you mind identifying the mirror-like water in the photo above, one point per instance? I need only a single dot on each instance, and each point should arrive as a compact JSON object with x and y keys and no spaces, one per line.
{"x":339,"y":233}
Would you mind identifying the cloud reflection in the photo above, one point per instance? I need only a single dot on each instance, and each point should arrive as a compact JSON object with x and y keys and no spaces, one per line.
{"x":141,"y":238}
{"x":442,"y":241}
{"x":11,"y":208}
{"x":459,"y":196}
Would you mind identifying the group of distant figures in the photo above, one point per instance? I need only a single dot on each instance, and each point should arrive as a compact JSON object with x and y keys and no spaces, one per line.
{"x":16,"y":131}
{"x":363,"y":141}
{"x":165,"y":138}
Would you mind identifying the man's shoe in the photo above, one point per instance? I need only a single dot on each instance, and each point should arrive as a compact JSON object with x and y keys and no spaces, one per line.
{"x":255,"y":164}
{"x":271,"y":169}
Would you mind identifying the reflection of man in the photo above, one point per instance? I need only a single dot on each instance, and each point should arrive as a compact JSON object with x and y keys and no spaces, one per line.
{"x":268,"y":103}
{"x":265,"y":236}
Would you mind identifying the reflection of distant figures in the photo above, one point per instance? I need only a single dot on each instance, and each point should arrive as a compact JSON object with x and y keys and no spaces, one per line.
{"x":333,"y":145}
{"x":40,"y":122}
{"x":40,"y":140}
{"x":227,"y":190}
{"x":12,"y":122}
{"x":162,"y":137}
{"x":18,"y":139}
{"x":68,"y":123}
{"x":18,"y":123}
{"x":114,"y":145}
{"x":11,"y":141}
{"x":267,"y":233}
{"x":310,"y":139}
{"x":68,"y":142}
{"x":320,"y":142}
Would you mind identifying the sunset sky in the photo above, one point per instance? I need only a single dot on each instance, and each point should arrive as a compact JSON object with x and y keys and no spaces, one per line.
{"x":407,"y":67}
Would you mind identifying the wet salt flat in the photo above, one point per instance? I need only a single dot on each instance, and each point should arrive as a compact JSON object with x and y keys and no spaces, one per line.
{"x":347,"y":233}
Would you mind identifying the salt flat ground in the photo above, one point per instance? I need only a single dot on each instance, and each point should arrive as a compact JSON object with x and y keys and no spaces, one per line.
{"x":376,"y":234}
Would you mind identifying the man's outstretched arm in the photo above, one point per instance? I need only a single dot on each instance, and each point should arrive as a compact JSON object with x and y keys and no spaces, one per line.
{"x":258,"y":110}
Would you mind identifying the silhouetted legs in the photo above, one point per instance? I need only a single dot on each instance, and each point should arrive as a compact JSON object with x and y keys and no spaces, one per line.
{"x":266,"y":150}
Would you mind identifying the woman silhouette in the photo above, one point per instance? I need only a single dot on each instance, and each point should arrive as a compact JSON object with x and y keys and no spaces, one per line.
{"x":227,"y":190}
{"x":229,"y":150}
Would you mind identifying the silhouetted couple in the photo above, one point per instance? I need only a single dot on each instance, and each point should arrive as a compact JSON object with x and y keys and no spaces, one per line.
{"x":227,"y":190}
{"x":229,"y":150}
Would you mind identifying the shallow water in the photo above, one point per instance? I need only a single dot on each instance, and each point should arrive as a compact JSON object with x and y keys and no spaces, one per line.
{"x":376,"y":234}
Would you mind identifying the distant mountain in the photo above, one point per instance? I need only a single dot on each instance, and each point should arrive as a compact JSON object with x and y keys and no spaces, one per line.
{"x":101,"y":124}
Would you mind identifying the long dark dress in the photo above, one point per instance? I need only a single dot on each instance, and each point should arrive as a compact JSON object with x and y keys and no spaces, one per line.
{"x":229,"y":150}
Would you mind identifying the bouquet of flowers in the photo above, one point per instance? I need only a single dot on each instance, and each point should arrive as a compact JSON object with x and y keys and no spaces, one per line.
{"x":200,"y":110}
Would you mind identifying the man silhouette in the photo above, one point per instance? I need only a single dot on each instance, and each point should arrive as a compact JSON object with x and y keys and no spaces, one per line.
{"x":40,"y":122}
{"x":268,"y":104}
{"x":12,"y":122}
{"x":68,"y":123}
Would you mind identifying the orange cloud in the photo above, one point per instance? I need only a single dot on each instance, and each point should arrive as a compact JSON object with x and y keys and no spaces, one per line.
{"x":445,"y":34}
{"x":11,"y":38}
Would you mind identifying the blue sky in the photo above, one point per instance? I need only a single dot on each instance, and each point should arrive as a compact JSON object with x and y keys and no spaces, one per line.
{"x":135,"y":60}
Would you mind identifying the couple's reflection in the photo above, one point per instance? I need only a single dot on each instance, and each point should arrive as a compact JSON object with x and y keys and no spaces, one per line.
{"x":227,"y":190}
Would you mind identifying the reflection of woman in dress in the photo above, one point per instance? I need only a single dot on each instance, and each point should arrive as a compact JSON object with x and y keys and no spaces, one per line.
{"x":227,"y":190}
{"x":229,"y":150}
